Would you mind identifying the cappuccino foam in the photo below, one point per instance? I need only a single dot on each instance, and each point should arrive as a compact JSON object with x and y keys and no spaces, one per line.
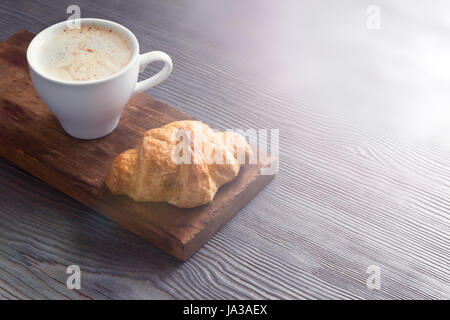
{"x":85,"y":53}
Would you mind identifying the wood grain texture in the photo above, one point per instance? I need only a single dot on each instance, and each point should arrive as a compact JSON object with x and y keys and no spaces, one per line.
{"x":33,"y":140}
{"x":364,"y":176}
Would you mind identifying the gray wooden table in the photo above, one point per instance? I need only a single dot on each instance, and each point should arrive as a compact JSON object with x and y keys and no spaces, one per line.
{"x":364,"y":180}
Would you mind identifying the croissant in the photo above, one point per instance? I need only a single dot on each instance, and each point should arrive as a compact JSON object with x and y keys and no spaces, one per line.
{"x":183,"y":163}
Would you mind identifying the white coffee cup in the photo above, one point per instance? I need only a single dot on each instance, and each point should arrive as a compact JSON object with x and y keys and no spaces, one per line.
{"x":92,"y":109}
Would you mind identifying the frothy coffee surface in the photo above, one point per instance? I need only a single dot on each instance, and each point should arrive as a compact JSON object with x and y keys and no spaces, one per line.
{"x":83,"y":54}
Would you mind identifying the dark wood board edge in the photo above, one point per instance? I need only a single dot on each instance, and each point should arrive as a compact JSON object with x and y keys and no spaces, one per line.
{"x":182,"y":251}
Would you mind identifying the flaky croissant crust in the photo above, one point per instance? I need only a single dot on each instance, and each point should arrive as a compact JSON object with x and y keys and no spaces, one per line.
{"x":185,"y":175}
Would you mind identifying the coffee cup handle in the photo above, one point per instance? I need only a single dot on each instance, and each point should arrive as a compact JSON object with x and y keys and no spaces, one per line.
{"x":147,"y":58}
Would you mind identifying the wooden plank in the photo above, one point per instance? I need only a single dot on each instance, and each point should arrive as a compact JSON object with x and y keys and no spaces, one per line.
{"x":33,"y":140}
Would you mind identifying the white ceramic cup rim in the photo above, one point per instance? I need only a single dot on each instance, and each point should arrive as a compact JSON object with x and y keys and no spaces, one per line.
{"x":44,"y":34}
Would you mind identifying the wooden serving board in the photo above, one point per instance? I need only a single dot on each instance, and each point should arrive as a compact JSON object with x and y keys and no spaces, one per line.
{"x":31,"y":138}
